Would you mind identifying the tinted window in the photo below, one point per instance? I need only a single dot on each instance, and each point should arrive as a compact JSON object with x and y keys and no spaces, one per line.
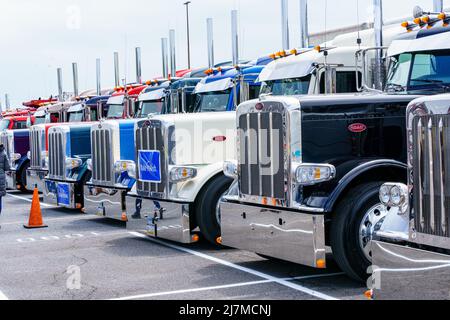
{"x":20,"y":125}
{"x":430,"y":68}
{"x":345,"y":82}
{"x":39,"y":120}
{"x":287,"y":87}
{"x":115,"y":111}
{"x":213,"y":101}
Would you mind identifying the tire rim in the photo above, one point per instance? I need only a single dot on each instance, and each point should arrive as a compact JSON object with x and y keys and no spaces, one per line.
{"x":369,"y":225}
{"x":218,"y":216}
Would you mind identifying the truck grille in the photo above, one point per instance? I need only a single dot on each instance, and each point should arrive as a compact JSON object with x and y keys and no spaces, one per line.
{"x":261,"y":160}
{"x":151,"y":137}
{"x":36,"y":147}
{"x":102,"y":171}
{"x":431,"y":153}
{"x":57,"y":155}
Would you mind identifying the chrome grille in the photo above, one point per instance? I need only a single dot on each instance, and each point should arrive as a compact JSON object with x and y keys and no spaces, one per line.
{"x":261,"y":160}
{"x":37,"y":145}
{"x":431,"y":153}
{"x":102,"y":162}
{"x":7,"y":139}
{"x":57,"y":154}
{"x":151,"y":137}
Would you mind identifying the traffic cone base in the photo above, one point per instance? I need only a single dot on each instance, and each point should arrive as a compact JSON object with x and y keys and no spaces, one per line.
{"x":35,"y":220}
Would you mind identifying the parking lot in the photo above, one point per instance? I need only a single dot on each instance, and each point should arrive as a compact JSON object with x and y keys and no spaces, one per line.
{"x":114,"y":263}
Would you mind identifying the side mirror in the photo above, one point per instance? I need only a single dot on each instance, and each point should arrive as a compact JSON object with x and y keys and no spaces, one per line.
{"x":29,"y":123}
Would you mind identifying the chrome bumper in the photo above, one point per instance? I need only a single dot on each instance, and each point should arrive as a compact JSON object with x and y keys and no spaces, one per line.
{"x":287,"y":235}
{"x":105,"y":202}
{"x":36,"y":178}
{"x":406,"y":273}
{"x":11,"y":180}
{"x":159,"y":219}
{"x":51,"y":196}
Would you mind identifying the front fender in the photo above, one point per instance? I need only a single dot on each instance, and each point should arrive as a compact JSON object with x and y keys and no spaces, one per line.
{"x":365,"y":168}
{"x":21,"y":164}
{"x":189,"y":190}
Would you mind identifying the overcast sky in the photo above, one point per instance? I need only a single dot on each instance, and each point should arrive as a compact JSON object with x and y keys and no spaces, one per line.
{"x":38,"y":36}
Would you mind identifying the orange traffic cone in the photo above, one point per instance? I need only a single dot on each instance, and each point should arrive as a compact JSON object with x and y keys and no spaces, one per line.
{"x":35,"y":220}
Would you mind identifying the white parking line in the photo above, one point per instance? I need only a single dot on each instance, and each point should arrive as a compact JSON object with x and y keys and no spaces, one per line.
{"x":30,"y":200}
{"x":3,"y":296}
{"x":70,"y":217}
{"x":266,"y":276}
{"x":227,"y":286}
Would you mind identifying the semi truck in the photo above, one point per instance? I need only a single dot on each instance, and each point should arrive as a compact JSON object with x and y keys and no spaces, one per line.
{"x":309,"y":168}
{"x":113,"y":162}
{"x":178,"y":201}
{"x":411,"y":249}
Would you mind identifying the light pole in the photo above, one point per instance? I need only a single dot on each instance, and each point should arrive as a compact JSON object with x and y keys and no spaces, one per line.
{"x":187,"y":3}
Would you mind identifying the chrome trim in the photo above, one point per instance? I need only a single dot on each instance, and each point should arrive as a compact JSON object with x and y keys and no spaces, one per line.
{"x":51,"y":198}
{"x":36,"y":177}
{"x":105,"y":202}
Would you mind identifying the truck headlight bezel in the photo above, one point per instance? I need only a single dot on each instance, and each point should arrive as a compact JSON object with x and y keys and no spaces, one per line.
{"x":308,"y":174}
{"x":230,"y":169}
{"x":395,"y":195}
{"x":180,"y":174}
{"x":73,"y":163}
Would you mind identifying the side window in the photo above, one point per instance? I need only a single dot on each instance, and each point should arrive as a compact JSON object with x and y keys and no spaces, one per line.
{"x":20,"y":125}
{"x":345,"y":81}
{"x":94,"y":115}
{"x":254,"y":92}
{"x":54,"y":117}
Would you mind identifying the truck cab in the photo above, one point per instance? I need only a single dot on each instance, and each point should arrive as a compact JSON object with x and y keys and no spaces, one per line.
{"x":313,"y":182}
{"x":123,"y":103}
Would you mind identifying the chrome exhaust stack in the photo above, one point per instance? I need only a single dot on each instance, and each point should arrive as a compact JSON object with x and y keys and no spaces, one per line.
{"x":438,"y":6}
{"x":75,"y":79}
{"x":235,"y":37}
{"x":173,"y":57}
{"x":285,"y":24}
{"x":304,"y":33}
{"x":60,"y":84}
{"x":138,"y":65}
{"x":116,"y":70}
{"x":99,"y":87}
{"x":165,"y":58}
{"x":210,"y":41}
{"x":378,"y":30}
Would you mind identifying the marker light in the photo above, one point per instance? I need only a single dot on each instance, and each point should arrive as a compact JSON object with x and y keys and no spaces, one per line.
{"x":417,"y":21}
{"x":73,"y":163}
{"x":273,"y":56}
{"x":310,"y":174}
{"x":230,"y":169}
{"x":180,"y":174}
{"x":405,"y":24}
{"x":425,"y":19}
{"x":317,"y":48}
{"x":294,"y":51}
{"x":442,"y":16}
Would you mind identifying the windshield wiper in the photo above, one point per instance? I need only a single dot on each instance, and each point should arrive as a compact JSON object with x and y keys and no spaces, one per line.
{"x":395,"y":87}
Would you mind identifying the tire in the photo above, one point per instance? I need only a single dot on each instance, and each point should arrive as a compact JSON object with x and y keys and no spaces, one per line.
{"x":206,"y":207}
{"x":346,"y":227}
{"x":23,"y":178}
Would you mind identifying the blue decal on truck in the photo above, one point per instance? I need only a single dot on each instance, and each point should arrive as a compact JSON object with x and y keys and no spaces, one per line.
{"x":63,"y":194}
{"x":150,"y":166}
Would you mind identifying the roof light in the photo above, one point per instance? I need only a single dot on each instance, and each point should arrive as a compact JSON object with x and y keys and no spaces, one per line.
{"x":294,"y":51}
{"x":405,"y":24}
{"x":317,"y":48}
{"x":442,"y":16}
{"x":417,"y":21}
{"x":273,"y":56}
{"x":425,"y":19}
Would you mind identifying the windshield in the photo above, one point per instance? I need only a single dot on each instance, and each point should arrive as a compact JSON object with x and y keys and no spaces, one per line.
{"x":115,"y":111}
{"x":287,"y":87}
{"x":419,"y":71}
{"x":39,"y":120}
{"x":150,"y":107}
{"x":213,"y":101}
{"x":4,"y":124}
{"x":75,"y":116}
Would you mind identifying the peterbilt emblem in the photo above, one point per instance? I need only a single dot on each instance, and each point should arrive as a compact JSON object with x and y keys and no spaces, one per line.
{"x":357,"y":127}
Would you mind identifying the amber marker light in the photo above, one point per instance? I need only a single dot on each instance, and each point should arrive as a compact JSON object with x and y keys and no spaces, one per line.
{"x":321,"y":264}
{"x":405,"y":24}
{"x":124,"y":217}
{"x":219,"y":240}
{"x":369,"y":294}
{"x":195,"y":238}
{"x":265,"y":201}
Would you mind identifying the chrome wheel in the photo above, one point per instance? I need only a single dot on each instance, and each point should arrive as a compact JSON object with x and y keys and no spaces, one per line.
{"x":371,"y":223}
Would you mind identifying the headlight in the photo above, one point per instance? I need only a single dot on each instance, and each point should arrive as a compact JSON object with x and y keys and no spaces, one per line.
{"x":15,"y":156}
{"x":310,"y":174}
{"x":89,"y":164}
{"x":72,"y":163}
{"x":395,"y":195}
{"x":125,"y":166}
{"x":179,"y":174}
{"x":29,"y":154}
{"x":230,"y":169}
